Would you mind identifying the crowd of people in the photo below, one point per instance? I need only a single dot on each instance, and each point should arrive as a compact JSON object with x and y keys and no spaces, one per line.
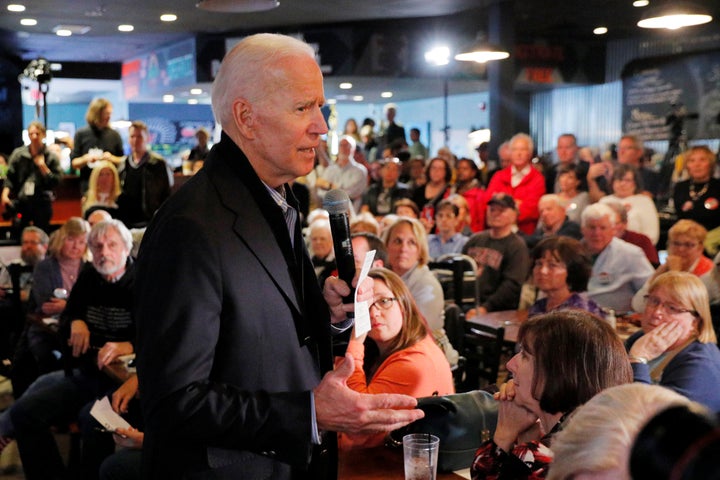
{"x":247,"y":359}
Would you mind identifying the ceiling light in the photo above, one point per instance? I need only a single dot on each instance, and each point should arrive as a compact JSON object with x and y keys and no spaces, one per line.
{"x":13,"y":7}
{"x":237,"y":6}
{"x":168,"y":17}
{"x":641,"y":3}
{"x":438,"y":56}
{"x":168,"y":98}
{"x":28,"y":22}
{"x":674,"y":15}
{"x":386,"y":94}
{"x":482,"y":52}
{"x":62,"y":32}
{"x":126,"y":28}
{"x":358,"y":98}
{"x":192,"y":101}
{"x":73,"y":29}
{"x":345,"y":86}
{"x":196,"y":91}
{"x":600,"y":30}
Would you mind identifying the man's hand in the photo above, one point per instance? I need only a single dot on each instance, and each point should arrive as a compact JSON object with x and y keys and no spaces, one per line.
{"x":122,"y":396}
{"x":79,"y":337}
{"x":54,"y":306}
{"x":129,"y":437}
{"x":111,"y":351}
{"x":335,"y":289}
{"x":341,"y":409}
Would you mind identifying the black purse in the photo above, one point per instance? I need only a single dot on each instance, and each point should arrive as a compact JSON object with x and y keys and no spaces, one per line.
{"x":462,"y":422}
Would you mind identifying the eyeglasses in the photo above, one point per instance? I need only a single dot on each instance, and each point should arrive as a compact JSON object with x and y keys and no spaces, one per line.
{"x":383,"y":303}
{"x":683,"y":244}
{"x":654,"y":302}
{"x":539,"y":264}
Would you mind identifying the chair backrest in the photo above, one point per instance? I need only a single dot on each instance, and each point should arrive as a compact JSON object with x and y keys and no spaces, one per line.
{"x":456,"y":273}
{"x":482,"y":348}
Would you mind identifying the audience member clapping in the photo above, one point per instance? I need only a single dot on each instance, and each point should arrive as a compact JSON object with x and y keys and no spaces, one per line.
{"x":597,"y":441}
{"x":565,"y":359}
{"x":399,"y":354}
{"x":561,"y":270}
{"x":677,"y":347}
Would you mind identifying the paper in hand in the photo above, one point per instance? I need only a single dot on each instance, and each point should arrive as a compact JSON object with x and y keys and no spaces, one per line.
{"x":102,"y":412}
{"x":362,"y":309}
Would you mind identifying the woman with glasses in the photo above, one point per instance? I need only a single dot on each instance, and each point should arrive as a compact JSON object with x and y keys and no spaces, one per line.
{"x":677,"y":347}
{"x":685,"y":254}
{"x":560,"y":270}
{"x":642,"y":213}
{"x":397,"y":355}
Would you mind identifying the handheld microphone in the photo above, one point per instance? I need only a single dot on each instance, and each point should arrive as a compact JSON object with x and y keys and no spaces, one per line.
{"x":337,"y":204}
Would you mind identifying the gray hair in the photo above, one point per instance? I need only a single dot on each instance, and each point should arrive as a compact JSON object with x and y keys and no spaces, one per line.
{"x":526,"y":137}
{"x":596,"y":211}
{"x":556,"y":199}
{"x":44,"y":239}
{"x":620,"y":209}
{"x":100,"y":229}
{"x":243,"y":66}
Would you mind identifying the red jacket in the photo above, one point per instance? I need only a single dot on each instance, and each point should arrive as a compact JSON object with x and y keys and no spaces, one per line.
{"x":527,"y":195}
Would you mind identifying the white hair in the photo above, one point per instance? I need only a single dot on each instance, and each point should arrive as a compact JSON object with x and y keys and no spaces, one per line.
{"x":596,"y":211}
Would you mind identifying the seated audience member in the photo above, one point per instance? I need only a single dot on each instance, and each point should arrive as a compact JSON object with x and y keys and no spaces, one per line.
{"x":638,"y":239}
{"x":446,"y":240}
{"x":39,"y":348}
{"x":379,"y":198}
{"x":619,"y":268}
{"x":685,"y":254}
{"x":642,"y":214}
{"x":548,"y":384}
{"x":568,"y":155}
{"x":345,"y":174}
{"x":145,"y":177}
{"x":502,"y":257}
{"x":521,"y":181}
{"x":321,"y":249}
{"x":553,"y":221}
{"x":399,"y":354}
{"x":561,"y":270}
{"x":697,"y":197}
{"x":414,"y":170}
{"x":407,"y":248}
{"x":465,"y":220}
{"x":362,"y":243}
{"x":677,"y":347}
{"x":406,"y":208}
{"x":99,"y":327}
{"x":364,"y":222}
{"x":569,"y":181}
{"x":103,"y":189}
{"x":438,"y":174}
{"x":678,"y":443}
{"x":599,"y":436}
{"x":98,"y":216}
{"x":468,"y":185}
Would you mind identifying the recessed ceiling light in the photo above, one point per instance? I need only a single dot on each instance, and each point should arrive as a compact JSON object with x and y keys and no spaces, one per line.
{"x":168,"y":98}
{"x":196,"y":91}
{"x":192,"y":101}
{"x":345,"y":85}
{"x":168,"y":17}
{"x":28,"y":22}
{"x":73,"y":29}
{"x":61,"y":32}
{"x":14,"y":7}
{"x":237,"y":6}
{"x":600,"y":30}
{"x":358,"y":98}
{"x":641,"y":3}
{"x":126,"y":28}
{"x":386,"y":94}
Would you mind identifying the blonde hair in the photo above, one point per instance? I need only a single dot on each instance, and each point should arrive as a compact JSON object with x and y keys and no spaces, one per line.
{"x":95,"y":109}
{"x":419,"y":233}
{"x":600,"y":434}
{"x":74,"y":227}
{"x":688,"y":227}
{"x":688,"y":291}
{"x":91,"y":198}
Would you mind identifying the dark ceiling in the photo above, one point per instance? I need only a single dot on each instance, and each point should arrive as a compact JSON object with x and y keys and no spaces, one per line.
{"x":569,"y":20}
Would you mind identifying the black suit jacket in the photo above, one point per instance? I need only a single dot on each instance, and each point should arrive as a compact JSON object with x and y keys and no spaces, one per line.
{"x":233,"y":332}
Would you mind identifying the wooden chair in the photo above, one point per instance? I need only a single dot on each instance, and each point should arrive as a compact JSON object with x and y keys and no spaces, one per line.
{"x":482,"y":347}
{"x":456,"y":273}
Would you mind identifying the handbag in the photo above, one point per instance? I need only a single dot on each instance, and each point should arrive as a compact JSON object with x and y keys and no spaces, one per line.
{"x":462,"y":422}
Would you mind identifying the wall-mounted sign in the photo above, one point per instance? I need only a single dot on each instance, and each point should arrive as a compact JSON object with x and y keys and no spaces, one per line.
{"x":160,"y":71}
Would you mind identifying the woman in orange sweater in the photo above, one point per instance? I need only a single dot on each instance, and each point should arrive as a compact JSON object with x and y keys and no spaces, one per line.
{"x":399,"y":354}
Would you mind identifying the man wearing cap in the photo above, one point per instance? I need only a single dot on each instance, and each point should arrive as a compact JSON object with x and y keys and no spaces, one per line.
{"x":501,"y":256}
{"x":522,"y":181}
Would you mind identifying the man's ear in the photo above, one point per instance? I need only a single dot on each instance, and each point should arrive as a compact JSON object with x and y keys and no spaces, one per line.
{"x":244,"y":117}
{"x":378,"y":263}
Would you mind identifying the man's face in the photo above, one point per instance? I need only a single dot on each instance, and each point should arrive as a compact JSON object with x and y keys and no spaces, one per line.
{"x":566,"y":150}
{"x":520,"y":153}
{"x":465,"y":172}
{"x":551,"y":213}
{"x":446,"y":220}
{"x":628,"y":153}
{"x":597,"y":234}
{"x":321,"y":242}
{"x":287,"y":124}
{"x":390,"y":173}
{"x":137,"y":140}
{"x":109,"y":253}
{"x":414,"y":135}
{"x":344,"y":150}
{"x":500,"y":217}
{"x":32,"y":250}
{"x":36,"y":136}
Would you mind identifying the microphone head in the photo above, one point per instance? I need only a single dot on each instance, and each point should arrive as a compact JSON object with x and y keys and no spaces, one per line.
{"x":336,"y":202}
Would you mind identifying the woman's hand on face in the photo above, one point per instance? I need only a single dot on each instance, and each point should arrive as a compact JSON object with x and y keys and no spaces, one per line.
{"x":513,"y":420}
{"x":658,"y":340}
